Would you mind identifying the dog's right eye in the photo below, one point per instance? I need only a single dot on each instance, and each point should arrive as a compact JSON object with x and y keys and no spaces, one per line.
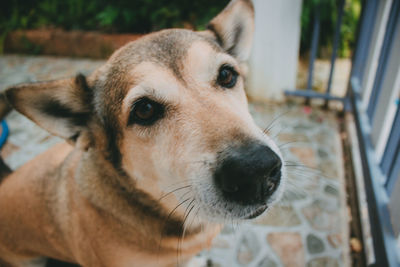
{"x":145,"y":112}
{"x":227,"y":76}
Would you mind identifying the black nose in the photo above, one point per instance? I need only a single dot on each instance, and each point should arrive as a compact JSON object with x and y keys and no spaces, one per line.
{"x":248,"y":174}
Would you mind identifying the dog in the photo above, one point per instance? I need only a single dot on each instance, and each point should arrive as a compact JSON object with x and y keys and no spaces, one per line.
{"x":160,"y":151}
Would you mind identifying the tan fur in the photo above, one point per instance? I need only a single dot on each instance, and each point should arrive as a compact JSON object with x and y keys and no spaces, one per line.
{"x":110,"y":197}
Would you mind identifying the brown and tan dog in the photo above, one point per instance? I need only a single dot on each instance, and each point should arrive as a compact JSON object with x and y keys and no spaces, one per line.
{"x":161,"y":150}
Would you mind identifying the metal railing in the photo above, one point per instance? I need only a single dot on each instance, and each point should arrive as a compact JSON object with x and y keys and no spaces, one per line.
{"x":373,"y":97}
{"x":308,"y":93}
{"x":376,"y":110}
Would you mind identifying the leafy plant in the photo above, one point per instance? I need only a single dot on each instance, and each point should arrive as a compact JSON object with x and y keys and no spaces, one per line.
{"x":141,"y":16}
{"x":116,"y":16}
{"x":328,"y":17}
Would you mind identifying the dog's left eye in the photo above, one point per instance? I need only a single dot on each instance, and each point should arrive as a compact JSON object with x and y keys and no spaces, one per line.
{"x":227,"y":76}
{"x":145,"y":112}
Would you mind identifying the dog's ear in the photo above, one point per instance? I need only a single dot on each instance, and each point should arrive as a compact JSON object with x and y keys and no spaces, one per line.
{"x":233,"y":28}
{"x":62,"y":107}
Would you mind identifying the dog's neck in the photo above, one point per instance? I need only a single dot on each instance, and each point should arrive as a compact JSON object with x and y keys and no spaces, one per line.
{"x":114,"y":192}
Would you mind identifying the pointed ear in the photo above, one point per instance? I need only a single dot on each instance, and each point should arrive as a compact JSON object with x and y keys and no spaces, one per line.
{"x":62,"y":107}
{"x":233,"y":28}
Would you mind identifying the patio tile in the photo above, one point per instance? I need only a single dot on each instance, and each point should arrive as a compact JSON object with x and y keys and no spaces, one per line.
{"x":248,"y":249}
{"x":283,"y":216}
{"x":315,"y":244}
{"x":267,"y":262}
{"x":289,"y":247}
{"x":323,"y":262}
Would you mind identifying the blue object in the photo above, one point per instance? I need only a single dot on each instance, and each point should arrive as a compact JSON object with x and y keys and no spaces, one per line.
{"x":4,"y":133}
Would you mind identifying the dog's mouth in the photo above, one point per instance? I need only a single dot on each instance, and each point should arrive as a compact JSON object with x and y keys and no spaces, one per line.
{"x":256,"y":212}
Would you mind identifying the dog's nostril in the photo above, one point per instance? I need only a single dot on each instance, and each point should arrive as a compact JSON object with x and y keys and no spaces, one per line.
{"x":275,"y":171}
{"x":271,"y":187}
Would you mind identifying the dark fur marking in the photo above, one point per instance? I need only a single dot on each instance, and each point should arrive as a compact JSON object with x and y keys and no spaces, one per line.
{"x":5,"y":107}
{"x":147,"y":206}
{"x":4,"y":170}
{"x":57,"y":263}
{"x":75,"y":136}
{"x":87,"y":93}
{"x":56,"y":109}
{"x":10,"y":95}
{"x":150,"y":207}
{"x":218,"y":37}
{"x":238,"y":30}
{"x":113,"y":153}
{"x":5,"y":264}
{"x":111,"y":97}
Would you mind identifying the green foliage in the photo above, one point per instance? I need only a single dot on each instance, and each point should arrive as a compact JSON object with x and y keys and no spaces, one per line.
{"x":135,"y":16}
{"x":328,"y":17}
{"x":141,"y":16}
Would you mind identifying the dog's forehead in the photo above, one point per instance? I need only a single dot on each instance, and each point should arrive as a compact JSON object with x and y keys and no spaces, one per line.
{"x":167,"y":48}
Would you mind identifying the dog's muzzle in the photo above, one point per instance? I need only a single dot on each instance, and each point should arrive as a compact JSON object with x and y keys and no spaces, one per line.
{"x":249,"y":175}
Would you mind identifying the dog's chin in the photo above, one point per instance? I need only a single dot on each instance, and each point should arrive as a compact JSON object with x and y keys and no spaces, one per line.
{"x":257,"y":212}
{"x":215,"y":208}
{"x":244,"y":213}
{"x":234,"y":212}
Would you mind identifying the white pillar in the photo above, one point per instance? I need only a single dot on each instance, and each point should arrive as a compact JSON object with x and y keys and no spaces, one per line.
{"x":274,"y":59}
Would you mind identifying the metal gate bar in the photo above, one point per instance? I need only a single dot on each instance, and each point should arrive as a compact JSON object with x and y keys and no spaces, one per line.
{"x":390,"y":163}
{"x":379,"y":176}
{"x":308,"y":92}
{"x":382,"y":66}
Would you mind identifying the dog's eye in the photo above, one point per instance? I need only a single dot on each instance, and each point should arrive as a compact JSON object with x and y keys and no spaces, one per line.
{"x":227,"y":76}
{"x":145,"y":112}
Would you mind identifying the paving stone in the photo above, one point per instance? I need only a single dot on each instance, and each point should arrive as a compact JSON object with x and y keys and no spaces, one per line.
{"x":289,"y":248}
{"x":293,"y":195}
{"x":293,"y":137}
{"x":321,"y":220}
{"x":315,"y":244}
{"x":280,"y":216}
{"x":249,"y":248}
{"x":327,"y":204}
{"x":335,"y":240}
{"x":303,"y":127}
{"x":211,"y":263}
{"x":331,"y":190}
{"x":322,"y":153}
{"x":329,"y":169}
{"x":267,"y":262}
{"x":324,"y":137}
{"x":305,"y":155}
{"x":323,"y":262}
{"x":301,"y":182}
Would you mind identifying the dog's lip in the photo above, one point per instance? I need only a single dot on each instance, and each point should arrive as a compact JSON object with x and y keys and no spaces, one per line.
{"x":256,"y":213}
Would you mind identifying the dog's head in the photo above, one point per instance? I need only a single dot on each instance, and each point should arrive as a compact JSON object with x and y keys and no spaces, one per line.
{"x":169,"y":110}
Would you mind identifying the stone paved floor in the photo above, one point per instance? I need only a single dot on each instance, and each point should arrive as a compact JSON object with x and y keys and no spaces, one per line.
{"x":307,"y":228}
